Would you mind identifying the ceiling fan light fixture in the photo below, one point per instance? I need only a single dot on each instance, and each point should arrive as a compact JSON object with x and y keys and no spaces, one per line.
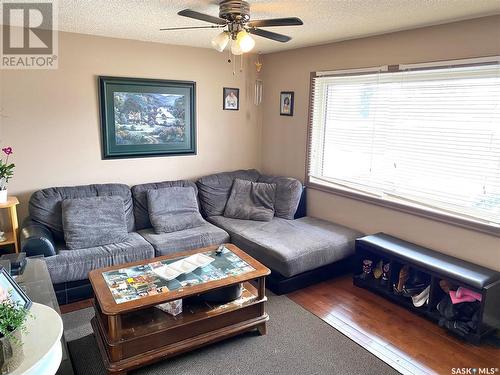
{"x":220,"y":41}
{"x":236,"y":48}
{"x":245,"y":41}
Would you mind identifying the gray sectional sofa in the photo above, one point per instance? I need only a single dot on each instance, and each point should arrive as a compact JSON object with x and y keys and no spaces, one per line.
{"x":298,"y":250}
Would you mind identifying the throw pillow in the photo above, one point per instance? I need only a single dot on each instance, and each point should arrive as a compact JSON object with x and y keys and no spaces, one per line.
{"x":288,"y":193}
{"x":214,"y":190}
{"x":94,"y":221}
{"x":251,"y":201}
{"x":173,"y":209}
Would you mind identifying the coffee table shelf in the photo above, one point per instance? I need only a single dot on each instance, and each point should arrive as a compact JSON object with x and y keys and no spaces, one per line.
{"x":152,"y":320}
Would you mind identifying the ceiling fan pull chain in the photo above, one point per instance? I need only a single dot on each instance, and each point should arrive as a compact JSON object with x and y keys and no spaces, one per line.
{"x":241,"y":63}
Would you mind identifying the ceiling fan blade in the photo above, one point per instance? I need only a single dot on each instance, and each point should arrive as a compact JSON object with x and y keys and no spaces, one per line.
{"x":270,"y":35}
{"x":202,"y":17}
{"x":192,"y":27}
{"x":289,"y":21}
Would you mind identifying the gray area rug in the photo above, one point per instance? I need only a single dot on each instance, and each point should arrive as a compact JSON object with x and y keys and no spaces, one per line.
{"x":297,"y":342}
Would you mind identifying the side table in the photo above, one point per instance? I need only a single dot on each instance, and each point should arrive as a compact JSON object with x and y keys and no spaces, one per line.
{"x":41,"y":342}
{"x":11,"y":234}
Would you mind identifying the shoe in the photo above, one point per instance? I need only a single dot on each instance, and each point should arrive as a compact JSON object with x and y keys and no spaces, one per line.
{"x":367,"y":270}
{"x":421,"y":299}
{"x":446,"y":308}
{"x":377,"y":272}
{"x":460,"y":328}
{"x":385,"y":275}
{"x":403,"y":277}
{"x":445,"y":286}
{"x":455,"y":299}
{"x":464,"y":292}
{"x":416,"y":283}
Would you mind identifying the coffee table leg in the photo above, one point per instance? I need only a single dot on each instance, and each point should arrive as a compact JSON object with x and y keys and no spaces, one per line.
{"x":261,"y":287}
{"x":114,"y":328}
{"x":262,"y":328}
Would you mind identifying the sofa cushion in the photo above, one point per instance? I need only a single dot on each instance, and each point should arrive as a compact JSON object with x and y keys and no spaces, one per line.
{"x":214,"y":189}
{"x":288,"y":193}
{"x":291,"y":247}
{"x":72,"y":265}
{"x":93,"y":221}
{"x":45,"y":205}
{"x":139,"y":194}
{"x":251,"y":200}
{"x":173,"y":208}
{"x":187,"y":239}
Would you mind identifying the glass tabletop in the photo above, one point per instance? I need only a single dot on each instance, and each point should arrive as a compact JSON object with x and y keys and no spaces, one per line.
{"x":132,"y":283}
{"x":35,"y":281}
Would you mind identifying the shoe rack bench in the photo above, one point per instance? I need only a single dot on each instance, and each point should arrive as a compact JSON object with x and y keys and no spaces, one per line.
{"x":438,"y":266}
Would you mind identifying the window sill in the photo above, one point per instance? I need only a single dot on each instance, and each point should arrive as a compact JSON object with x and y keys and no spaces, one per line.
{"x":422,"y":211}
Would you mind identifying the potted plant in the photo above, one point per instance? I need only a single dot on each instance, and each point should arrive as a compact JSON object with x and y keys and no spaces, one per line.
{"x":6,"y":173}
{"x":12,"y":323}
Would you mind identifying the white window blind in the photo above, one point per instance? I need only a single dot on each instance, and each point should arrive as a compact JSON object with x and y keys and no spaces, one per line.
{"x":429,"y":137}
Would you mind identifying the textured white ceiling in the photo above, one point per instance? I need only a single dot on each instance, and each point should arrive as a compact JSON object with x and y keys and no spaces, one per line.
{"x":324,"y":20}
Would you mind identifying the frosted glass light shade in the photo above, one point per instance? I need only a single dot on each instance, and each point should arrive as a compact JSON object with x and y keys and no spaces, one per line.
{"x":245,"y":41}
{"x":236,"y":49}
{"x":220,"y":41}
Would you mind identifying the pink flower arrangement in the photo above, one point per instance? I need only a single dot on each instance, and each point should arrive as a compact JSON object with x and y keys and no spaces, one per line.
{"x":6,"y":169}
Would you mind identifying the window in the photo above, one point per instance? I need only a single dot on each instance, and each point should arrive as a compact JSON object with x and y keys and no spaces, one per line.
{"x":421,"y":137}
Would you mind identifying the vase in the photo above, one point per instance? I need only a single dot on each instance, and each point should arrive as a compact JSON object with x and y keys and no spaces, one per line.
{"x":11,"y":352}
{"x":3,"y":196}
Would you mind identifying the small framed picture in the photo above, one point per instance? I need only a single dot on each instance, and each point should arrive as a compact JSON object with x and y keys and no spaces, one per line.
{"x":9,"y":287}
{"x":230,"y":99}
{"x":286,"y":103}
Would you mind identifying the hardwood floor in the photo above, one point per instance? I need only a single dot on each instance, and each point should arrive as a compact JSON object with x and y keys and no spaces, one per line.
{"x":409,"y":343}
{"x":70,"y":307}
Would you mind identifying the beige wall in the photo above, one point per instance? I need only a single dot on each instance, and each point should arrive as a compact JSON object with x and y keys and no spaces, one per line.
{"x":284,"y":138}
{"x":51,"y":118}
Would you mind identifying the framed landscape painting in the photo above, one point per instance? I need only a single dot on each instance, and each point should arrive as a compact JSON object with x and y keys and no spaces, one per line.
{"x":146,"y":117}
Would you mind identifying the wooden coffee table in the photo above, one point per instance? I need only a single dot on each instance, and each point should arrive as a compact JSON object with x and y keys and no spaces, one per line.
{"x":131,"y":332}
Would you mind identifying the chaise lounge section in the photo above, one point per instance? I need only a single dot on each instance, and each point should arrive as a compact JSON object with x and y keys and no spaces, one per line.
{"x":300,"y":250}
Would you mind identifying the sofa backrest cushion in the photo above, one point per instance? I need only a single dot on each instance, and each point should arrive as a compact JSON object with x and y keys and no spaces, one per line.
{"x":251,"y":201}
{"x":93,"y":221}
{"x":173,"y":209}
{"x":214,"y":189}
{"x":45,"y":204}
{"x":139,"y":194}
{"x":288,"y":193}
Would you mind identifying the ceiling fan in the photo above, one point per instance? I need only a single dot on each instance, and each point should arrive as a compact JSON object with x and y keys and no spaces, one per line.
{"x":234,"y":18}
